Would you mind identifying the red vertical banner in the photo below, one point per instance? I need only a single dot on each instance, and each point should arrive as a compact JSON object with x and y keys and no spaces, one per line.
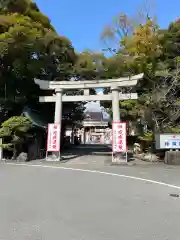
{"x":53,"y":138}
{"x":119,"y":138}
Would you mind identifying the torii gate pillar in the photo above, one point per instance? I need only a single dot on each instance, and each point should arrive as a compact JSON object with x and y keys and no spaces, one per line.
{"x":58,"y":106}
{"x":115,"y":104}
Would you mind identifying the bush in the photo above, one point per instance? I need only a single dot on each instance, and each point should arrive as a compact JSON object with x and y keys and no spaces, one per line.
{"x":14,"y":133}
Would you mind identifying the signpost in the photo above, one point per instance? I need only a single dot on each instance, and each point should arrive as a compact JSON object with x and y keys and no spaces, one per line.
{"x":119,"y":141}
{"x":167,"y":141}
{"x":170,"y":142}
{"x":53,"y":139}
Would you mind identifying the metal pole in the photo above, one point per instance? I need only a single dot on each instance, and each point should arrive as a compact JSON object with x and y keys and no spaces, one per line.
{"x":58,"y":117}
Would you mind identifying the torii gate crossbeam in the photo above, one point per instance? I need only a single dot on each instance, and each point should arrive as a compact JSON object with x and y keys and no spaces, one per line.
{"x":104,"y":98}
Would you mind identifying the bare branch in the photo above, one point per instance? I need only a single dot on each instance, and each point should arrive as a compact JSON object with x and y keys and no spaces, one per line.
{"x":165,"y":107}
{"x":146,"y":10}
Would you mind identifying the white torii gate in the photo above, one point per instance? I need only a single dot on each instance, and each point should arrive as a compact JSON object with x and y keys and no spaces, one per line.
{"x":114,"y":96}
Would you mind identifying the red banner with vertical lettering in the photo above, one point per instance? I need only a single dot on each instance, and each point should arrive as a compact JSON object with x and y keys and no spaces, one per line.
{"x":53,"y":138}
{"x":119,"y":142}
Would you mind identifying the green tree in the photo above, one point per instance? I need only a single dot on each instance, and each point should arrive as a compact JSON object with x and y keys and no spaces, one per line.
{"x":89,"y":65}
{"x":29,"y":48}
{"x":170,"y":40}
{"x":138,"y":49}
{"x":143,"y":48}
{"x":156,"y":53}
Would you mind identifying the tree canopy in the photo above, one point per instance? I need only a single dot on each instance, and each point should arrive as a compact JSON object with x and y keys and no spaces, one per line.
{"x":29,"y":48}
{"x":137,"y":47}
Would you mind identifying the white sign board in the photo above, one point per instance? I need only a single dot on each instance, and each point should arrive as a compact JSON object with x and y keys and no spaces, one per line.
{"x":119,"y":143}
{"x":53,"y":139}
{"x":167,"y":141}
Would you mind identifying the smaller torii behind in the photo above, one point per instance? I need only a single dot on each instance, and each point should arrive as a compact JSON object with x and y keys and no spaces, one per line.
{"x":115,"y":96}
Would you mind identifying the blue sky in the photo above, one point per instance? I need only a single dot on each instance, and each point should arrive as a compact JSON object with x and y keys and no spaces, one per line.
{"x":83,"y":21}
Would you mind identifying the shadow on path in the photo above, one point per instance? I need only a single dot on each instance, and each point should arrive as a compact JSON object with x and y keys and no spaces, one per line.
{"x":85,"y":150}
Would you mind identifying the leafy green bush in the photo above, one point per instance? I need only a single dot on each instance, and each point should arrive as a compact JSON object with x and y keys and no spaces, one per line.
{"x":15,"y":129}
